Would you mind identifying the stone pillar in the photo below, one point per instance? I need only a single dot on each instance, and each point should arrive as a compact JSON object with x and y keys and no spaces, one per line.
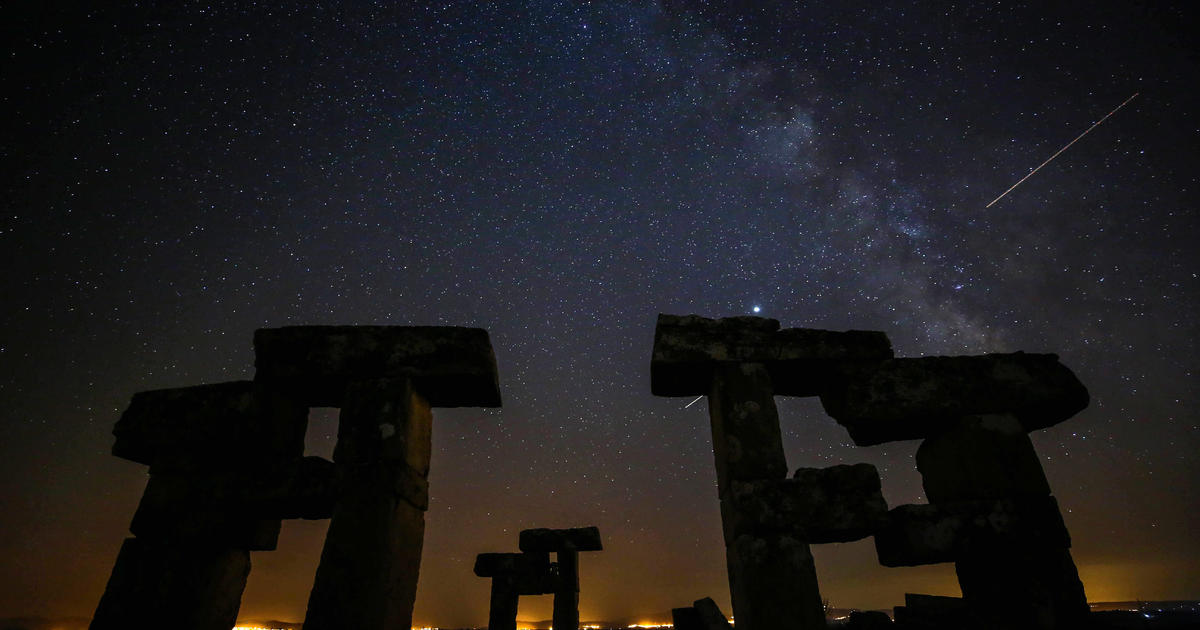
{"x":566,"y":593}
{"x":513,"y":575}
{"x":213,"y":451}
{"x":159,"y":584}
{"x":367,"y":577}
{"x":1025,"y":583}
{"x":772,"y":579}
{"x":504,"y":602}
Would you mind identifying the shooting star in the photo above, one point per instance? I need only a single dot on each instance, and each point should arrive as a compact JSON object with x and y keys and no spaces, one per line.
{"x":1094,"y":125}
{"x":693,"y":402}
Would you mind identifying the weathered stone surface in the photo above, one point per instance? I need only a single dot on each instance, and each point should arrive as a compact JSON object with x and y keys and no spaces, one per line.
{"x":194,"y":587}
{"x":905,"y":399}
{"x":385,"y":419}
{"x":980,"y":457}
{"x":929,"y":534}
{"x":528,"y":573}
{"x":451,"y":366}
{"x":747,"y":443}
{"x":711,"y":617}
{"x":687,"y":347}
{"x":367,"y":577}
{"x":773,"y":584}
{"x":819,"y":505}
{"x":1023,"y":587}
{"x":209,"y":425}
{"x":546,"y":540}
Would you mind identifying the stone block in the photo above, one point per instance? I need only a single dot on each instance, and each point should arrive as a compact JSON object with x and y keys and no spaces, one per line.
{"x":1023,"y":587}
{"x":686,"y":619}
{"x":307,"y":488}
{"x":526,"y":573}
{"x":711,"y":617}
{"x":906,"y":399}
{"x":210,"y":510}
{"x":687,"y":347}
{"x":210,"y":425}
{"x":154,"y":585}
{"x":554,"y":540}
{"x":747,"y":443}
{"x":819,"y":505}
{"x":980,"y":457}
{"x":773,"y":584}
{"x":385,"y":420}
{"x":929,"y":534}
{"x":451,"y":366}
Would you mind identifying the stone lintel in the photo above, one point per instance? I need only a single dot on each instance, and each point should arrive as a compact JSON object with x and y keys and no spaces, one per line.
{"x":930,"y":534}
{"x":209,"y":425}
{"x":981,"y":457}
{"x":451,"y":366}
{"x":687,"y":347}
{"x":913,"y":398}
{"x":524,"y":573}
{"x":555,"y":540}
{"x":819,"y":505}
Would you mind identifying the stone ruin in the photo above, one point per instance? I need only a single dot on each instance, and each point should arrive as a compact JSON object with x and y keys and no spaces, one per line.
{"x":532,"y":573}
{"x":226,"y":466}
{"x":703,"y":614}
{"x":990,"y":512}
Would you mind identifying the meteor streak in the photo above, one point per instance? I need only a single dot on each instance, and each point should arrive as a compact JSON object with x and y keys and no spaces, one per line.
{"x":693,"y":402}
{"x":1094,"y":125}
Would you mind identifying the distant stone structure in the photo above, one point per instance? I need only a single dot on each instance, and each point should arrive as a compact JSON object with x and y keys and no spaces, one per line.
{"x":226,"y":465}
{"x":532,"y":573}
{"x":991,"y":511}
{"x":703,"y":614}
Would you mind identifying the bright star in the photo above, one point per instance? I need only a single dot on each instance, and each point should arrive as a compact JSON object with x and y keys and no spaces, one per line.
{"x":757,"y":309}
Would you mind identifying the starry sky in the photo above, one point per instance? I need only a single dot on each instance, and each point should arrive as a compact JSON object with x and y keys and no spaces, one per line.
{"x":176,"y":175}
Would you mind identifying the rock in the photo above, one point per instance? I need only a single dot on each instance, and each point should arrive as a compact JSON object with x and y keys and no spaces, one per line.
{"x":1023,"y":587}
{"x":450,"y":366}
{"x":554,"y":540}
{"x":686,"y":619}
{"x":905,"y":399}
{"x":687,"y":347}
{"x":198,"y":587}
{"x":209,"y":426}
{"x":711,"y":617}
{"x":819,"y":505}
{"x":981,"y":457}
{"x":747,"y":442}
{"x":929,"y":534}
{"x":773,"y":584}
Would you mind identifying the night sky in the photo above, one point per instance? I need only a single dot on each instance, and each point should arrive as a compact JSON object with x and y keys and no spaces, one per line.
{"x":558,"y":173}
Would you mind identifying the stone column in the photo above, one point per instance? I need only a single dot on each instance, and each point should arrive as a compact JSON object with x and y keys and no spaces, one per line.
{"x":157,"y":584}
{"x":1027,"y":583}
{"x":566,"y":595}
{"x":211,"y":450}
{"x":772,"y":579}
{"x":372,"y":555}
